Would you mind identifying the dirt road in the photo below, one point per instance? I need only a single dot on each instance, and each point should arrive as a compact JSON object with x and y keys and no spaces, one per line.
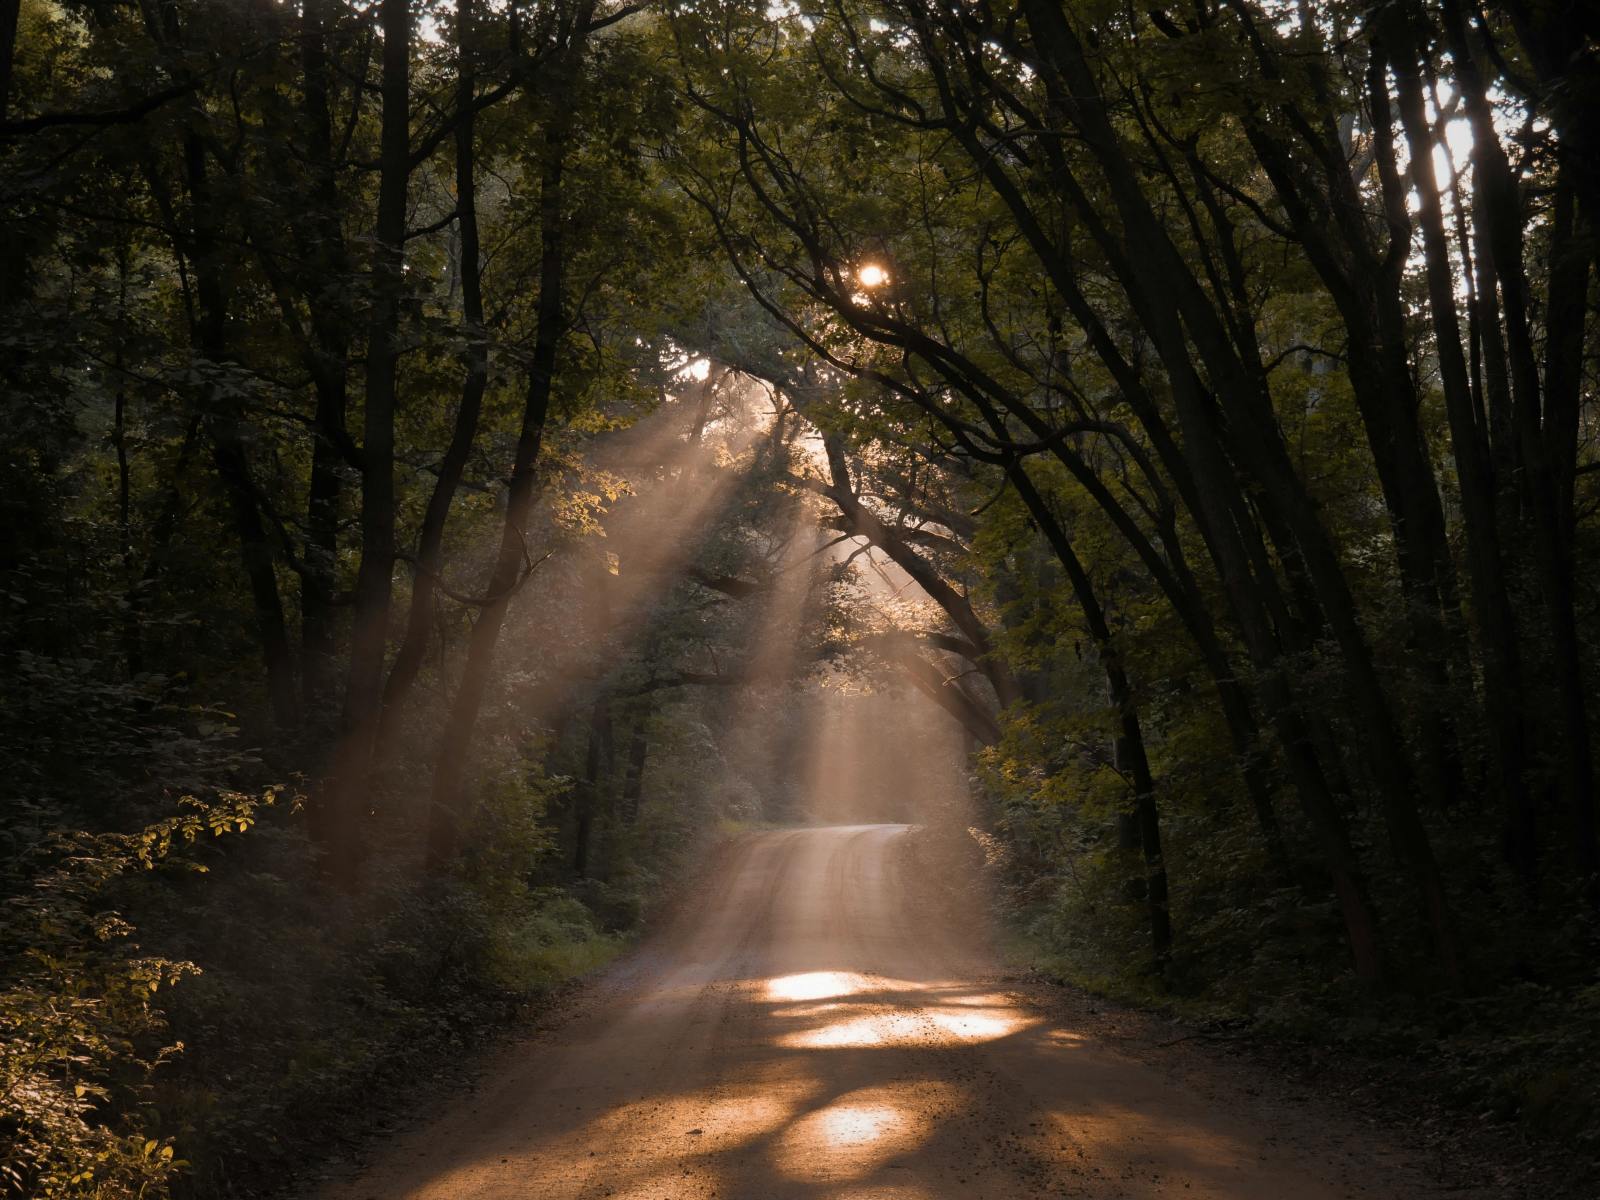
{"x":806,"y":1028}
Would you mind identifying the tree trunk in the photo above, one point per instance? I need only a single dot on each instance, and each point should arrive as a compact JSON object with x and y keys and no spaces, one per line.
{"x":1129,"y":744}
{"x":1210,"y":489}
{"x":430,"y":543}
{"x":221,"y":422}
{"x":375,"y":577}
{"x":1491,"y":598}
{"x":450,"y":801}
{"x":329,"y":357}
{"x":1365,"y":286}
{"x":132,"y":638}
{"x":596,"y":778}
{"x":1572,"y":234}
{"x":633,"y":780}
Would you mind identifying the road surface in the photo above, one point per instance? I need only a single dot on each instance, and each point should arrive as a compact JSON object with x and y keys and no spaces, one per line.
{"x":810,"y":1026}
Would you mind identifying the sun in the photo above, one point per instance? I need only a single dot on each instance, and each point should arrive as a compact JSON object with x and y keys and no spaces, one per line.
{"x":871,"y":275}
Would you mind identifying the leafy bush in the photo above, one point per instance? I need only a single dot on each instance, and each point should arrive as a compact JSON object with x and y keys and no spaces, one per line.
{"x":556,"y":940}
{"x":81,"y":1035}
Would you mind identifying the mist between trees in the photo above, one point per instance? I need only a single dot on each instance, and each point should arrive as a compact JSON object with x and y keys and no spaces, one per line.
{"x":469,"y":455}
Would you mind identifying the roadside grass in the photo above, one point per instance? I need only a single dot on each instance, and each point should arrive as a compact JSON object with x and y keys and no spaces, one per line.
{"x":556,"y":942}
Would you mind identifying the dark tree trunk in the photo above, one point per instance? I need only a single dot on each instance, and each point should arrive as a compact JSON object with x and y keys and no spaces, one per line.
{"x":221,"y":423}
{"x":328,"y":357}
{"x":1571,"y":239}
{"x":132,"y":638}
{"x":450,"y":800}
{"x":1129,"y":743}
{"x":430,"y":543}
{"x":375,"y":577}
{"x":1491,"y":599}
{"x":1544,"y":408}
{"x":597,"y":769}
{"x":1330,"y":224}
{"x":633,"y":780}
{"x":1207,"y":484}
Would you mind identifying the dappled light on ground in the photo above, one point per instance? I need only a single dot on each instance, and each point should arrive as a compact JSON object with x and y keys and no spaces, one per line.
{"x":968,"y":1025}
{"x":811,"y":1030}
{"x":895,"y":1017}
{"x":861,"y":1132}
{"x":813,"y":985}
{"x":862,"y":1031}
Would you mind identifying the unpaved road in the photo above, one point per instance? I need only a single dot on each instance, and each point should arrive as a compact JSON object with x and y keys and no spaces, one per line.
{"x":809,"y":1026}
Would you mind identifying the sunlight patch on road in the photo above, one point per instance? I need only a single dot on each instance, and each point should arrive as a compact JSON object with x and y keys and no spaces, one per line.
{"x":862,"y":1130}
{"x":983,"y":1026}
{"x":857,"y":1124}
{"x":814,"y":985}
{"x":976,"y":1018}
{"x":861,"y":1031}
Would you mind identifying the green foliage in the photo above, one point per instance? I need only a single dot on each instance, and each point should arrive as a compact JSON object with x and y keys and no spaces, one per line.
{"x":81,"y":1033}
{"x":555,"y":939}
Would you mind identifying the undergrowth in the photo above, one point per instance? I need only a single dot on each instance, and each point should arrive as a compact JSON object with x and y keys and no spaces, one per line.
{"x":1519,"y":1055}
{"x":189,"y":1016}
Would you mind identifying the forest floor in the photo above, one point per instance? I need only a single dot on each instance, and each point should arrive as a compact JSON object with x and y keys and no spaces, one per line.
{"x":810,"y":1022}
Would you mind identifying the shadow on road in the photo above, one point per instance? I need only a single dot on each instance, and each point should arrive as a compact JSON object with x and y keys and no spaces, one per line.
{"x":814,"y":1028}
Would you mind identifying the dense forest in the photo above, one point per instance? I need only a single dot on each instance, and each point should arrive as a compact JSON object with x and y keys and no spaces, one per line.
{"x":463,"y":452}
